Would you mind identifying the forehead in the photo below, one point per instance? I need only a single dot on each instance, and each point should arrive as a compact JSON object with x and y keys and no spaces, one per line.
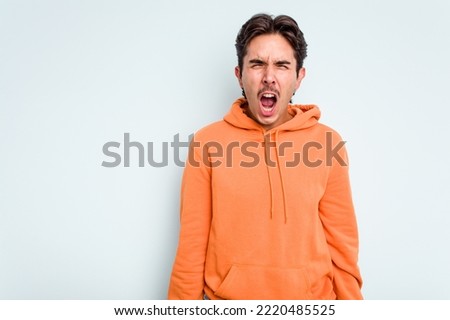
{"x":270,"y":46}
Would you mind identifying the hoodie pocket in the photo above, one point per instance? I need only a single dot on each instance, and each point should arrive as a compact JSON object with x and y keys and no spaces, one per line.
{"x":246,"y":282}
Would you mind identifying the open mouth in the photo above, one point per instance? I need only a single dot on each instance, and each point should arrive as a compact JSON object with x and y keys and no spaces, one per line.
{"x":268,"y":102}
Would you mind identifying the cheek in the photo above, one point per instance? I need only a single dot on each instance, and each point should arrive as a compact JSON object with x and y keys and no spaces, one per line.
{"x":251,"y":79}
{"x":291,"y":84}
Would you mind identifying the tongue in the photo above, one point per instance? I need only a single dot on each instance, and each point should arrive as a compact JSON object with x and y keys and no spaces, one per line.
{"x":267,"y":102}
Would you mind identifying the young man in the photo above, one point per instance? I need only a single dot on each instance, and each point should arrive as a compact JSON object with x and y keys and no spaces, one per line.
{"x":266,"y":208}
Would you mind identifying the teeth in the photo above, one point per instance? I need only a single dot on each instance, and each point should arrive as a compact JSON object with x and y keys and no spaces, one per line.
{"x":268,"y":95}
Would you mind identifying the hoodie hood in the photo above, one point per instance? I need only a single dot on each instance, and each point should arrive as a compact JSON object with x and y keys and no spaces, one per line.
{"x":304,"y":116}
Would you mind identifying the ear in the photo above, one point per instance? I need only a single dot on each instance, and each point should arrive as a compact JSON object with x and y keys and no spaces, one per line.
{"x":301,"y":75}
{"x":237,"y":73}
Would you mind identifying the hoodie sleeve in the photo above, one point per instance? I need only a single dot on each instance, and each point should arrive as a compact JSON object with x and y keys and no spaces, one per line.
{"x":339,"y":222}
{"x":187,"y":279}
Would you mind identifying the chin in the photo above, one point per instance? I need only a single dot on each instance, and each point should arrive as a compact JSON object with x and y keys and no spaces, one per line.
{"x":267,"y":122}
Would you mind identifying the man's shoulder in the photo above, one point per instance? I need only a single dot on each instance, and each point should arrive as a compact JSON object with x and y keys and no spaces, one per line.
{"x":325,"y":129}
{"x":212,"y":130}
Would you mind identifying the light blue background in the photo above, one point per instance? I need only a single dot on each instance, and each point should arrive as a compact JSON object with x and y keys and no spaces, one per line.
{"x":77,"y":74}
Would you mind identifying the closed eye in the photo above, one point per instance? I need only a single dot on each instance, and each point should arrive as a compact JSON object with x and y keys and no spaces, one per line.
{"x":283,"y":64}
{"x":256,"y":63}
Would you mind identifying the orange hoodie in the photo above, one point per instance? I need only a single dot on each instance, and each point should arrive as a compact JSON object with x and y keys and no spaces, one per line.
{"x":267,"y":214}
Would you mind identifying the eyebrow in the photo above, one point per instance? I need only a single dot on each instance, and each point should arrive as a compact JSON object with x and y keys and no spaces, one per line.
{"x":256,"y":61}
{"x":280,"y":62}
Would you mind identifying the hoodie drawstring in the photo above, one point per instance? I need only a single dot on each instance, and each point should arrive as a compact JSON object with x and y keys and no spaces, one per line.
{"x":267,"y":153}
{"x":281,"y":178}
{"x":267,"y":158}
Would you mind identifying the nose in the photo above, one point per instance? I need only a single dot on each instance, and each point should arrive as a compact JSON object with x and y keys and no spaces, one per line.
{"x":269,"y":76}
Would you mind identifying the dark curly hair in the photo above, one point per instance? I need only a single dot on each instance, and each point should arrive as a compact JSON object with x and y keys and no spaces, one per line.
{"x":261,"y":24}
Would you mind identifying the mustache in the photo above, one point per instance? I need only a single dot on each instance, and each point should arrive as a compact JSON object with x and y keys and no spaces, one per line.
{"x":268,"y":88}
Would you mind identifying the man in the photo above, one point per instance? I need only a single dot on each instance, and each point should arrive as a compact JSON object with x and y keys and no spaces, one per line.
{"x":266,"y":208}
